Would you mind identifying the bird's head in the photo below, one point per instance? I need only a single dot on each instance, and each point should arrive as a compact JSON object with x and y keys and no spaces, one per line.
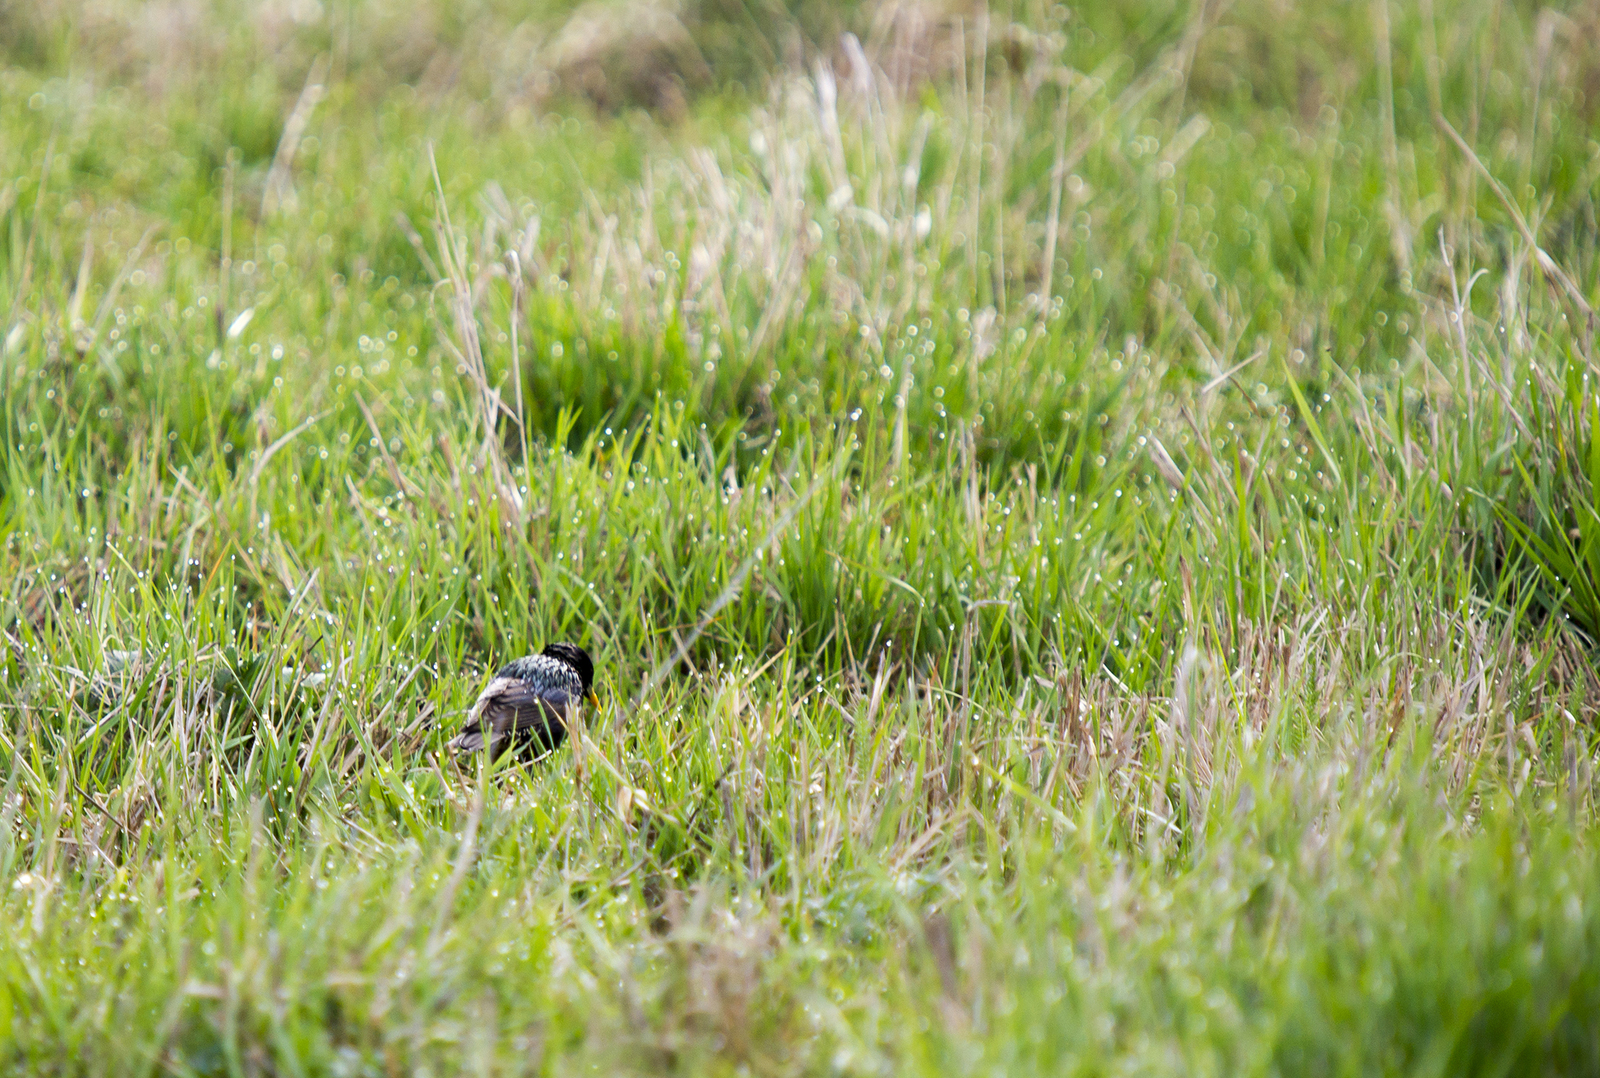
{"x":579,"y":660}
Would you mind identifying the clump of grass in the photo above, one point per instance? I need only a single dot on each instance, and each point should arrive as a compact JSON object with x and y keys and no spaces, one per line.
{"x":1542,"y":543}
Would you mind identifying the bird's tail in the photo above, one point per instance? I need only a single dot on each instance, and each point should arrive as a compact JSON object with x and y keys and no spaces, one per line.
{"x":466,"y":741}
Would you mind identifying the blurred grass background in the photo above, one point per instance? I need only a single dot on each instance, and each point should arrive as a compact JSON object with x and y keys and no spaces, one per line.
{"x":1086,"y":518}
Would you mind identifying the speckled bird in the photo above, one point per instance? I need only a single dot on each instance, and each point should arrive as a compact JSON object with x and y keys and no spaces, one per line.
{"x":526,"y":704}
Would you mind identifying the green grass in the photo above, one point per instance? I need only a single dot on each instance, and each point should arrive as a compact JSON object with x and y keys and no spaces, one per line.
{"x":1086,"y":520}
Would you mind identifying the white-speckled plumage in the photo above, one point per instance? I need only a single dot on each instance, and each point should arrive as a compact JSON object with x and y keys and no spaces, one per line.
{"x":527,"y":702}
{"x":543,"y":672}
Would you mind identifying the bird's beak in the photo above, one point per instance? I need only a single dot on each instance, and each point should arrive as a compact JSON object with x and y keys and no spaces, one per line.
{"x":594,"y":700}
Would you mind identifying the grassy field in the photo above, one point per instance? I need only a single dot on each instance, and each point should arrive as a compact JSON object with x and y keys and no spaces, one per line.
{"x":1087,"y":519}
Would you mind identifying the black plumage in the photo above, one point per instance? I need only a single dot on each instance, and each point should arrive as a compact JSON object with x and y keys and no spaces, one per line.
{"x":527,"y":703}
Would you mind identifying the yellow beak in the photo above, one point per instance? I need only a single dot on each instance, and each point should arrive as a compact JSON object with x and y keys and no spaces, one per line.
{"x":594,"y":700}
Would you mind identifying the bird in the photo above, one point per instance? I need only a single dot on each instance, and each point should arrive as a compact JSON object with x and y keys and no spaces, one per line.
{"x":526,"y":704}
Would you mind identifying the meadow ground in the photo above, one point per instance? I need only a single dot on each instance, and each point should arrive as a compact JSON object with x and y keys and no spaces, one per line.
{"x":1087,"y":518}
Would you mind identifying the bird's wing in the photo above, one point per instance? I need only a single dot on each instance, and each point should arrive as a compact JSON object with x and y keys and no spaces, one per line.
{"x":506,"y":707}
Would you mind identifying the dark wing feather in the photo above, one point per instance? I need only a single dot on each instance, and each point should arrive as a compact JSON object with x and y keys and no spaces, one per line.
{"x":514,"y":712}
